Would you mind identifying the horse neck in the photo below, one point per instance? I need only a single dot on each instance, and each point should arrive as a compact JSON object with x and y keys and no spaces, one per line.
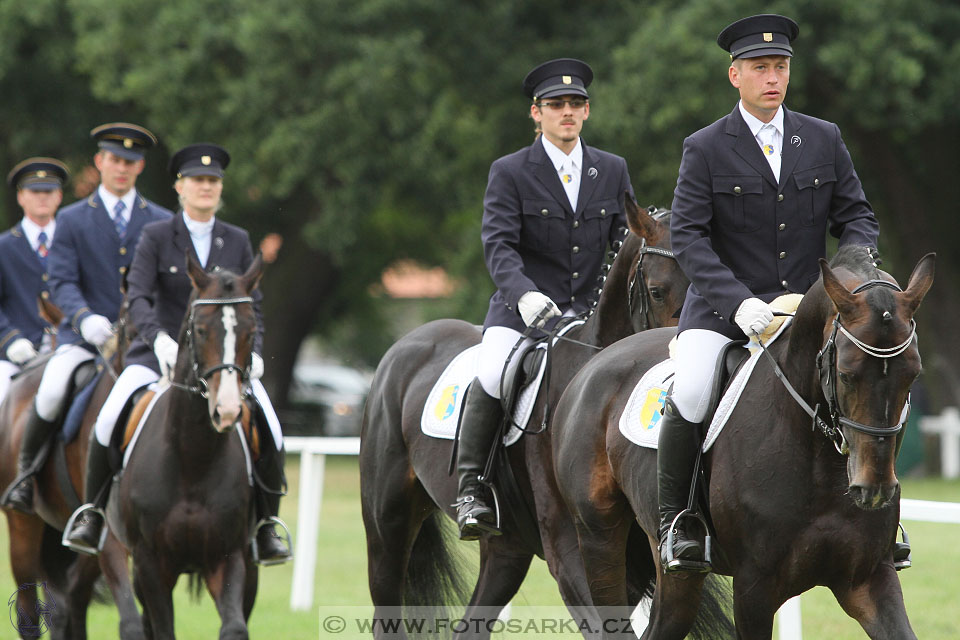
{"x":799,"y":359}
{"x":191,"y":435}
{"x":611,"y":318}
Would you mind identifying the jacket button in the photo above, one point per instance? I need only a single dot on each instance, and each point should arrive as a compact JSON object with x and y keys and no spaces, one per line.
{"x":576,"y":224}
{"x":45,"y":295}
{"x":543,"y":212}
{"x":573,"y":298}
{"x":816,"y":182}
{"x":783,"y":254}
{"x":576,"y":249}
{"x":123,"y":269}
{"x":45,"y":277}
{"x":780,"y":198}
{"x":603,"y":212}
{"x":782,"y":226}
{"x":784,"y":283}
{"x":123,"y":251}
{"x":575,"y":275}
{"x":737,"y":189}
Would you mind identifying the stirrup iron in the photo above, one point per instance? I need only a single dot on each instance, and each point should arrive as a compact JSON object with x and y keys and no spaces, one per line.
{"x":901,"y":551}
{"x":255,"y":547}
{"x":79,"y":547}
{"x":679,"y":564}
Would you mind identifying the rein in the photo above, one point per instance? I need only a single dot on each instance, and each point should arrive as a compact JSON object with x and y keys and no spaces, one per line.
{"x":827,"y":368}
{"x":201,"y":388}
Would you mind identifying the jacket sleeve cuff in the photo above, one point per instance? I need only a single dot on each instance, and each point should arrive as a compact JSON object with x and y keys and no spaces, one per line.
{"x":81,"y":314}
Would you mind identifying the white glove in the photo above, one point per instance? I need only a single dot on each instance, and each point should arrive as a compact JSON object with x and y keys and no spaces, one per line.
{"x":165,"y":349}
{"x":753,"y":315}
{"x":532,"y":304}
{"x":21,"y":350}
{"x":96,"y":330}
{"x":256,"y":366}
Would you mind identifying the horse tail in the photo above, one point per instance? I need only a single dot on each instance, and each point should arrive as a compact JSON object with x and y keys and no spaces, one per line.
{"x":435,"y":572}
{"x":715,"y":615}
{"x":195,"y":586}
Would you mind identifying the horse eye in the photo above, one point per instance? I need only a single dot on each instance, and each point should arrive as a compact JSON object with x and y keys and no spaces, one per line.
{"x":656,"y":294}
{"x":846,"y":378}
{"x":201,"y":331}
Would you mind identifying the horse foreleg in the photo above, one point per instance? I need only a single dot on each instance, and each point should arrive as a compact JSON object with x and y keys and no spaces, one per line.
{"x":154,"y":586}
{"x":113,"y":564}
{"x":250,"y":589}
{"x":756,"y":599}
{"x":26,"y":533}
{"x":227,"y":585}
{"x":501,"y":573}
{"x":877,"y":605}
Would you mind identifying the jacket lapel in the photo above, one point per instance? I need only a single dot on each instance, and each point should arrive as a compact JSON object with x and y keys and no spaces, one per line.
{"x":102,"y":216}
{"x":181,"y":238}
{"x":746,"y":146}
{"x":216,"y":243}
{"x":23,"y":246}
{"x":138,"y":218}
{"x":547,"y":175}
{"x":587,"y":182}
{"x":792,"y":144}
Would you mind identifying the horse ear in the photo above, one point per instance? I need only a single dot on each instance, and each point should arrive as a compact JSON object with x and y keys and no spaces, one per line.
{"x":920,"y":282}
{"x":840,"y":295}
{"x":199,"y":277}
{"x":251,"y":279}
{"x":640,"y":221}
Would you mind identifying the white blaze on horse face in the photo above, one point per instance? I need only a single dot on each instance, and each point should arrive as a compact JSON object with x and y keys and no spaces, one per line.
{"x":228,"y":391}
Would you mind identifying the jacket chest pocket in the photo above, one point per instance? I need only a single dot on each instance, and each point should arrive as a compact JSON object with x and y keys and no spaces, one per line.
{"x":542,"y":225}
{"x":738,"y":202}
{"x":597,"y":219}
{"x":814,"y":191}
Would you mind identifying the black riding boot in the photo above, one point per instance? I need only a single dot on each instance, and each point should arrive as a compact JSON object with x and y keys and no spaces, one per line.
{"x":482,"y":415}
{"x":676,"y":458}
{"x":272,"y":548}
{"x":88,"y":527}
{"x":36,"y":433}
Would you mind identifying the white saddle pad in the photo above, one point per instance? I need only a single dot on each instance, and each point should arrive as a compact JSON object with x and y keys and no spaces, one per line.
{"x":640,"y":420}
{"x":441,"y":412}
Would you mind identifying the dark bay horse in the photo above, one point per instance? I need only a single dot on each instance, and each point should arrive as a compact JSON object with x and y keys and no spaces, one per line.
{"x":792,"y":506}
{"x":405,"y":485}
{"x":184,"y":503}
{"x":36,"y":554}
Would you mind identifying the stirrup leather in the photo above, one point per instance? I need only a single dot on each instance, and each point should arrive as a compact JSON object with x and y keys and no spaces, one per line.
{"x":901,"y":551}
{"x":80,"y":547}
{"x":678,"y":564}
{"x":255,"y":547}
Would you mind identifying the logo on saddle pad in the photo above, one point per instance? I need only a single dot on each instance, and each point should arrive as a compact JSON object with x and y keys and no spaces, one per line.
{"x":445,"y":406}
{"x":652,"y":409}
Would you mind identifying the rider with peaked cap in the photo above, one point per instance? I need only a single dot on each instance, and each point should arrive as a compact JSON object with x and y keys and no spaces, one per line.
{"x":549,"y":213}
{"x":91,"y":252}
{"x":23,"y":263}
{"x":757,"y":191}
{"x":158,"y":293}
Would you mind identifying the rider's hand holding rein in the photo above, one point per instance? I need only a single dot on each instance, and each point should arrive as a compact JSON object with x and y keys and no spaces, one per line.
{"x":256,"y":366}
{"x":753,"y":316}
{"x":536,"y":308}
{"x":165,"y":349}
{"x":96,"y":330}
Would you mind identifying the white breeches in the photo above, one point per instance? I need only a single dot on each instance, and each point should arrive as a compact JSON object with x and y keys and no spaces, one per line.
{"x":260,"y":393}
{"x":7,"y":371}
{"x":56,"y":379}
{"x":132,"y":378}
{"x":696,"y":359}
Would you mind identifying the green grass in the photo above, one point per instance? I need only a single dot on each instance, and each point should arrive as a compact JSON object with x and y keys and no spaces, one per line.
{"x":930,"y":587}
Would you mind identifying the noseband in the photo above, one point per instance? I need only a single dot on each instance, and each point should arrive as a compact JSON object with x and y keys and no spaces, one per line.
{"x":827,"y":368}
{"x":200,"y":387}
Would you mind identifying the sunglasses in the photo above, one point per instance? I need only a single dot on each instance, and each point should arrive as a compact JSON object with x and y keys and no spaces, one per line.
{"x":557,"y":105}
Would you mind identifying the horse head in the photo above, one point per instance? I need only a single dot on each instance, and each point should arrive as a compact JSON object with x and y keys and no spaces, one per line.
{"x":220,"y":329}
{"x":868,"y":362}
{"x":657,"y":284}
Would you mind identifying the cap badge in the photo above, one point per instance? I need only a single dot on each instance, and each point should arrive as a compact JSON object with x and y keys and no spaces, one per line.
{"x":128,"y":143}
{"x":768,"y":37}
{"x":41,"y":174}
{"x":567,"y":80}
{"x":204,"y":160}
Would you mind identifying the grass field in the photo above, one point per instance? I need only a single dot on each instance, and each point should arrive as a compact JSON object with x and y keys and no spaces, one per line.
{"x":931,"y":587}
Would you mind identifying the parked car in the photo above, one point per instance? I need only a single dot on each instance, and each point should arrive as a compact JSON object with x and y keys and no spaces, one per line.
{"x":325,"y":399}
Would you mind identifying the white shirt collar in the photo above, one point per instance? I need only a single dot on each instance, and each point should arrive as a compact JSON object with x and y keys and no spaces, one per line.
{"x":196,"y":228}
{"x":32,"y":230}
{"x":110,"y":201}
{"x":755,"y":124}
{"x":558,"y":157}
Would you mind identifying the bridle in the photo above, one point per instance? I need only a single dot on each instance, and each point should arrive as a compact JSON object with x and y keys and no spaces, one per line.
{"x":201,"y":388}
{"x":827,"y":369}
{"x":638,"y":284}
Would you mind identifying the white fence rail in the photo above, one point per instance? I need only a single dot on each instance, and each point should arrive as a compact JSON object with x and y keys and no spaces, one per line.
{"x":313,"y":453}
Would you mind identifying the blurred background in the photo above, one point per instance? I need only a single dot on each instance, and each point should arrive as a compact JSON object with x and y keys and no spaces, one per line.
{"x":362,"y":132}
